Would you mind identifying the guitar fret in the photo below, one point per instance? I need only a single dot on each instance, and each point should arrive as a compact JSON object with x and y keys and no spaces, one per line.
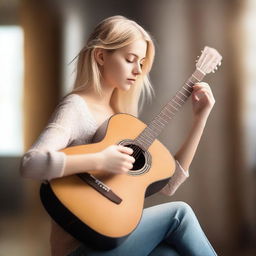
{"x":186,"y":90}
{"x":188,"y":85}
{"x":176,"y":104}
{"x":145,"y":139}
{"x":162,"y":117}
{"x":155,"y":126}
{"x":156,"y":133}
{"x":195,"y":77}
{"x":168,"y":110}
{"x":146,"y":136}
{"x":143,"y":134}
{"x":152,"y":129}
{"x":183,"y":94}
{"x":180,"y":98}
{"x":188,"y":93}
{"x":159,"y":119}
{"x":144,"y":142}
{"x":173,"y":113}
{"x":148,"y":132}
{"x":190,"y":80}
{"x":157,"y":123}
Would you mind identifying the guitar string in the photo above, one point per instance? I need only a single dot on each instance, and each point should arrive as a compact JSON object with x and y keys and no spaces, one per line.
{"x":137,"y":150}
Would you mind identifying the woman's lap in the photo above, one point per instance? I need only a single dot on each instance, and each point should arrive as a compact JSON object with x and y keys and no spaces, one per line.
{"x":157,"y":233}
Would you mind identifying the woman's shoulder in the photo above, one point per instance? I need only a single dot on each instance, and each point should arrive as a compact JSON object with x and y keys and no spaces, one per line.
{"x":73,"y":107}
{"x":66,"y":107}
{"x":69,"y":99}
{"x":71,"y":104}
{"x":70,"y":108}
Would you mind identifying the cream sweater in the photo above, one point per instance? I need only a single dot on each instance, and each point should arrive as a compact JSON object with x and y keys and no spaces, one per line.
{"x":71,"y":124}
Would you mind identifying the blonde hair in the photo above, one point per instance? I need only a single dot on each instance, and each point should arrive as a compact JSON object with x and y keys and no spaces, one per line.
{"x":113,"y":33}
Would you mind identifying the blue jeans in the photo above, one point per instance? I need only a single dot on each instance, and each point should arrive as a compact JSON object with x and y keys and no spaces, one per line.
{"x":167,"y":229}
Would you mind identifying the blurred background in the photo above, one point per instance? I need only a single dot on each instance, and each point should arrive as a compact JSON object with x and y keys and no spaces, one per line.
{"x":38,"y":40}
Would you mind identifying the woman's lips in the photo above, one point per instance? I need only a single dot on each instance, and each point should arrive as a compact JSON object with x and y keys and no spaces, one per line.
{"x":131,"y":80}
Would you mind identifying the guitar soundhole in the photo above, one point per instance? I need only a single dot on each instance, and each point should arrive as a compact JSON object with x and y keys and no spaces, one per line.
{"x":142,"y":158}
{"x":139,"y":156}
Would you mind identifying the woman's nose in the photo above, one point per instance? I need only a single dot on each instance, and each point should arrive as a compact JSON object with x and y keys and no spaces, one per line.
{"x":137,"y":69}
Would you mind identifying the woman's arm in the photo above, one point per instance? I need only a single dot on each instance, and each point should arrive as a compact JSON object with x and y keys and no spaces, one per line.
{"x":44,"y":161}
{"x":187,"y":151}
{"x":202,"y":102}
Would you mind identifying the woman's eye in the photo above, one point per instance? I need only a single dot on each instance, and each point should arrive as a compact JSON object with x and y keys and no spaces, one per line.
{"x":131,"y":61}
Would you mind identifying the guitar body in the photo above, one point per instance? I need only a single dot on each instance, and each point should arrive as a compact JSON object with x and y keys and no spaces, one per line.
{"x":87,"y":212}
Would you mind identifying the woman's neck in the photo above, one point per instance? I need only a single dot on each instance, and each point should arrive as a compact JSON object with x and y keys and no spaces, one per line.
{"x":103,"y":100}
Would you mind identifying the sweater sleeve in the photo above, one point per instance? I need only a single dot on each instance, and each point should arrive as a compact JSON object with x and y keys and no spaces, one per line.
{"x":179,"y":176}
{"x":43,"y":161}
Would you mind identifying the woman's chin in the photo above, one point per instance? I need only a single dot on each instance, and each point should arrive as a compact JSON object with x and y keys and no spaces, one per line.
{"x":125,"y":87}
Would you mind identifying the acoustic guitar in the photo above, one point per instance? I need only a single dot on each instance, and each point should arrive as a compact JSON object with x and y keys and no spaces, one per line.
{"x":102,"y":209}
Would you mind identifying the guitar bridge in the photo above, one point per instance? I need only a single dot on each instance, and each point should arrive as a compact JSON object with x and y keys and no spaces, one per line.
{"x":100,"y":187}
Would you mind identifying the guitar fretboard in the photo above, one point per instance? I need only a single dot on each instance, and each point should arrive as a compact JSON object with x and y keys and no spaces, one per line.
{"x":156,"y":126}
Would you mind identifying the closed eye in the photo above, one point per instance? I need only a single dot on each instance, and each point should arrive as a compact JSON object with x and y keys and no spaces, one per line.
{"x":130,"y":61}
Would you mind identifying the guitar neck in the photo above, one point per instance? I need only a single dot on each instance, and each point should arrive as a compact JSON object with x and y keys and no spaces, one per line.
{"x":159,"y":122}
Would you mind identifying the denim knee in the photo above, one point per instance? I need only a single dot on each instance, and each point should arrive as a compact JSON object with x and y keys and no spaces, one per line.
{"x":180,"y":217}
{"x":183,"y":210}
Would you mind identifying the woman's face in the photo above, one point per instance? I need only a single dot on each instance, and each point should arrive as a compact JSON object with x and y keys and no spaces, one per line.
{"x":122,"y":67}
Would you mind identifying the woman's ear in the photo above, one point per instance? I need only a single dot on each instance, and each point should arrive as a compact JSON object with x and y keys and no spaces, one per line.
{"x":99,"y":56}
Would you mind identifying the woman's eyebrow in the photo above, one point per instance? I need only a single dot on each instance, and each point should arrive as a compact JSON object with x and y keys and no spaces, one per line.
{"x":136,"y":55}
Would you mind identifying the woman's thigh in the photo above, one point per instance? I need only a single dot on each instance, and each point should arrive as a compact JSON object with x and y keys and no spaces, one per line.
{"x":163,"y":249}
{"x":156,"y":221}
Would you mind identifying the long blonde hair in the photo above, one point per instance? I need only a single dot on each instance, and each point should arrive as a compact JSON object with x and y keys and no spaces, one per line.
{"x":113,"y":33}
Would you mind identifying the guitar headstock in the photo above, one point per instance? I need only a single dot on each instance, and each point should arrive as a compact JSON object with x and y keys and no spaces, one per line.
{"x":209,"y":60}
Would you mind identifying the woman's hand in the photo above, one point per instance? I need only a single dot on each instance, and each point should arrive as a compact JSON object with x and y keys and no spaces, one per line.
{"x":202,"y":101}
{"x":116,"y":159}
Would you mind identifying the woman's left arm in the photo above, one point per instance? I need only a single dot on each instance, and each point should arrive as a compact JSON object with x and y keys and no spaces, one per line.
{"x":202,"y":104}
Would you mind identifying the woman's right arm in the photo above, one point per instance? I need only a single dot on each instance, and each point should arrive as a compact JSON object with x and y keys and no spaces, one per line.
{"x":47,"y":165}
{"x":113,"y":159}
{"x":44,"y":161}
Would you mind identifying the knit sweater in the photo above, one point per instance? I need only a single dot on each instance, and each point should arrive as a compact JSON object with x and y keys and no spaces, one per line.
{"x":72,"y":123}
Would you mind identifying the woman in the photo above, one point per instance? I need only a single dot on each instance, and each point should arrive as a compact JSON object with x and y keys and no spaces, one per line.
{"x":112,"y":75}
